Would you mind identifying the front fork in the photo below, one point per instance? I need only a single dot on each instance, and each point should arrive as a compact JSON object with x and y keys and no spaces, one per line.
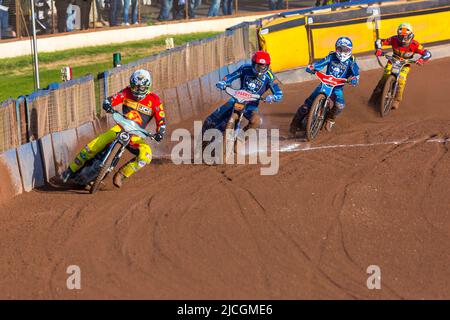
{"x":116,"y":156}
{"x":234,"y":122}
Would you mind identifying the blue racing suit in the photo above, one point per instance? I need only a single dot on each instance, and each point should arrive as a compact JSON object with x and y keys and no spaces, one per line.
{"x":338,"y":69}
{"x":252,"y":83}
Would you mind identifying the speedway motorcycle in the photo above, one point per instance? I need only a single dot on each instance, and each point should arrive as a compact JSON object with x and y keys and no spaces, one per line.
{"x":232,"y":126}
{"x":321,"y":105}
{"x":98,"y":168}
{"x":391,"y":85}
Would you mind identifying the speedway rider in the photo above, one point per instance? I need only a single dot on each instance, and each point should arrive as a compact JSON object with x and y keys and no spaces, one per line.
{"x":404,"y":47}
{"x":340,"y":64}
{"x":255,"y":78}
{"x":138,"y":104}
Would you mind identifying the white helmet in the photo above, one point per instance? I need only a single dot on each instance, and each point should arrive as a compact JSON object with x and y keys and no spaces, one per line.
{"x":140,"y":83}
{"x":344,"y":47}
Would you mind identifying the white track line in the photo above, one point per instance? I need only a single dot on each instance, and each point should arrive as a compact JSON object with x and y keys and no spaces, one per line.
{"x":306,"y":146}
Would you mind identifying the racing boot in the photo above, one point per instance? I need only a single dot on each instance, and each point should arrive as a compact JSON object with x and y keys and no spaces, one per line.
{"x":66,"y":175}
{"x":331,"y":118}
{"x":118,"y":179}
{"x":376,"y":94}
{"x":396,"y":104}
{"x":296,"y":123}
{"x":329,"y":124}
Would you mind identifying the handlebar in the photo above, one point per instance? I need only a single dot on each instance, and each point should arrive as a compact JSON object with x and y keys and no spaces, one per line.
{"x":247,"y":97}
{"x":145,"y":132}
{"x":403,"y":61}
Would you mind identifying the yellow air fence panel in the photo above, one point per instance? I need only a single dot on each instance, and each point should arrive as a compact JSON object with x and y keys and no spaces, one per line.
{"x":427,"y":27}
{"x":286,"y":43}
{"x":324,"y":37}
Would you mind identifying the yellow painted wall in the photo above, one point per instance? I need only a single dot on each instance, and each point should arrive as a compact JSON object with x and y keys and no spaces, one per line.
{"x":427,"y":28}
{"x":325,"y":38}
{"x":288,"y":48}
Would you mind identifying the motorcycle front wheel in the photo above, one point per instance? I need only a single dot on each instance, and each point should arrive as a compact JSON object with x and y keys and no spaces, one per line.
{"x":316,"y":117}
{"x":104,"y":170}
{"x":388,"y":95}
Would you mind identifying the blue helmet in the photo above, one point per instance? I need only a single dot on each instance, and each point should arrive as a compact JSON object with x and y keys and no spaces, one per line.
{"x":344,"y":48}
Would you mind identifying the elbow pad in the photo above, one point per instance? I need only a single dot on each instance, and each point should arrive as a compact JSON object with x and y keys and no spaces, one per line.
{"x":378,"y":44}
{"x":426,"y":55}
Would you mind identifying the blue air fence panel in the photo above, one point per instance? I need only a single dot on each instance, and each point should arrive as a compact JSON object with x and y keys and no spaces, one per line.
{"x":48,"y":158}
{"x":30,"y":163}
{"x":85,"y":132}
{"x":64,"y":147}
{"x":171,"y":106}
{"x":205,"y":87}
{"x":196,"y":95}
{"x":223,"y":71}
{"x":216,"y":96}
{"x":185,"y":101}
{"x":10,"y":166}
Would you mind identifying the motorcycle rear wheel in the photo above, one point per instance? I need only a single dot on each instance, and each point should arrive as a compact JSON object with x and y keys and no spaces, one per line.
{"x":104,"y":170}
{"x":316,"y":117}
{"x":388,"y":96}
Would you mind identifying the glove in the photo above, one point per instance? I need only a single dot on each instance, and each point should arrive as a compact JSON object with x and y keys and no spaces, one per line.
{"x":379,"y":52}
{"x":420,"y":62}
{"x":221,"y":85}
{"x":310,"y":69}
{"x":353,"y":81}
{"x":270,"y":98}
{"x":158,"y":137}
{"x":107,"y":106}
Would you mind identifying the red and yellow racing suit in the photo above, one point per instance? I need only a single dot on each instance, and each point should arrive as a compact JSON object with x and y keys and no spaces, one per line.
{"x":404,"y":52}
{"x":139,"y":111}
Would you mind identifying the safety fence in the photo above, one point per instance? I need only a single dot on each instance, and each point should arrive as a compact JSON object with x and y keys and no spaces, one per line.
{"x":176,"y":75}
{"x":59,"y":107}
{"x":315,"y":31}
{"x":40,"y":132}
{"x":182,"y":64}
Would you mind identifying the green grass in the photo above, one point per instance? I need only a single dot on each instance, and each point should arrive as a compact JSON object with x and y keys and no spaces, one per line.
{"x":16,"y":74}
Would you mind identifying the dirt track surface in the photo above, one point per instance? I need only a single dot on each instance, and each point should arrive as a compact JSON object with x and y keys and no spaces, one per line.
{"x":311,"y":231}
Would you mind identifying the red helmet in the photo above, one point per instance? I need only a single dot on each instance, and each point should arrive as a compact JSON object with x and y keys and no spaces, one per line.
{"x":260,"y":62}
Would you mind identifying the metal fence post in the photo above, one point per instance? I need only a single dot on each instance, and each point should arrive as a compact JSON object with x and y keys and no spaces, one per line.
{"x":18,"y":119}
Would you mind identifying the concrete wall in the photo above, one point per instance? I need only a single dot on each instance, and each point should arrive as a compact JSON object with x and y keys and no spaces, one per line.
{"x":109,"y":36}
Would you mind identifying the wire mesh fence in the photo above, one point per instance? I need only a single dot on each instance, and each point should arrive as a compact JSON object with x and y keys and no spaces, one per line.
{"x":182,"y":64}
{"x":178,"y":76}
{"x":66,"y":106}
{"x":9,"y":136}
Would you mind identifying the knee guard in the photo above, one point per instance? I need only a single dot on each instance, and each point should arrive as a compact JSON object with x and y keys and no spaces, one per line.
{"x":338,"y":108}
{"x":401,"y":87}
{"x":255,"y":121}
{"x":136,"y":164}
{"x":81,"y":158}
